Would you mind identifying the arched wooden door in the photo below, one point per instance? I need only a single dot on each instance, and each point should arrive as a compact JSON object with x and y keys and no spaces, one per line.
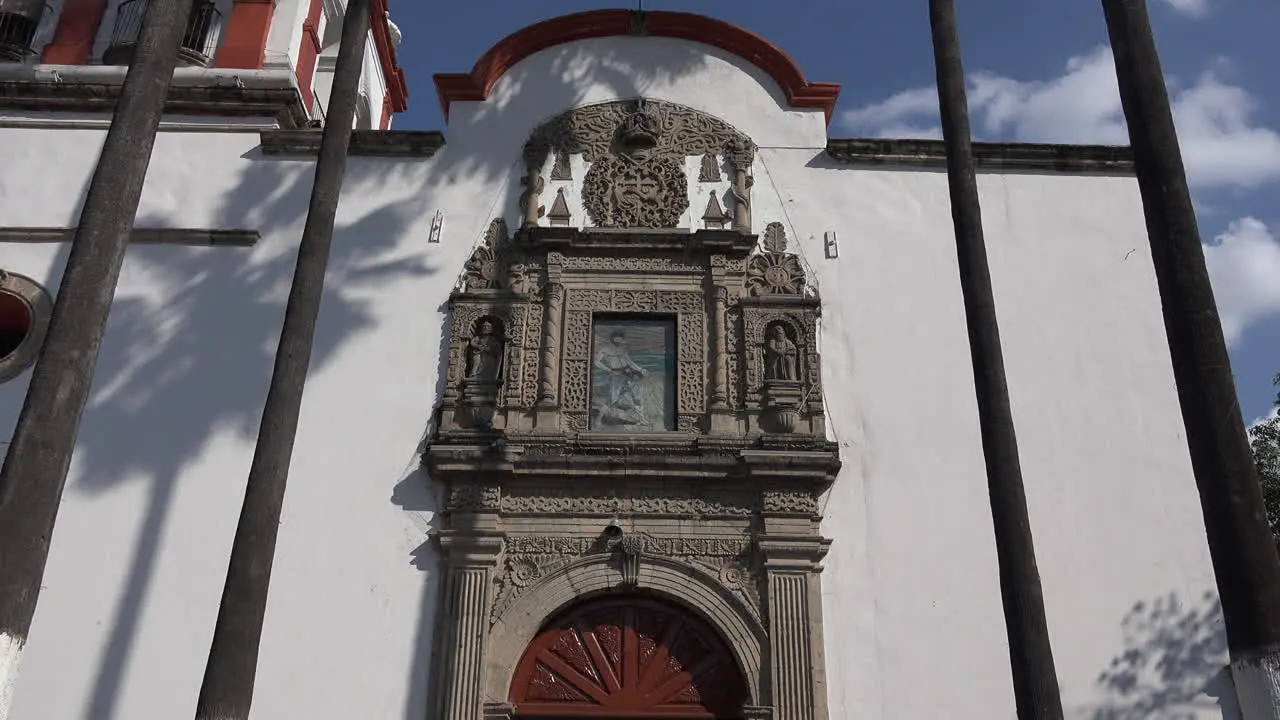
{"x":627,"y":658}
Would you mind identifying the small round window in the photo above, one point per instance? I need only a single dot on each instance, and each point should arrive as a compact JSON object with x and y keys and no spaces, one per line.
{"x":24,"y":315}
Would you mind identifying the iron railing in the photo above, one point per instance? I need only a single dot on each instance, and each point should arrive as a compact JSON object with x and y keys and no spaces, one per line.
{"x":19,"y":20}
{"x":204,"y":26}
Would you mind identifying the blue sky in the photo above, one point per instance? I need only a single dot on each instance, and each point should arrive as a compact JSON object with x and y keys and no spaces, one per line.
{"x":1038,"y":72}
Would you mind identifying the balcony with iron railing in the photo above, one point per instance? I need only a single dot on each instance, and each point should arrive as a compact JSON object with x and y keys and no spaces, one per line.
{"x":199,"y":41}
{"x":19,"y":20}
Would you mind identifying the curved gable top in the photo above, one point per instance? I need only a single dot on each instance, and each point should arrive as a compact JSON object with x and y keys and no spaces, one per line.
{"x":476,"y":85}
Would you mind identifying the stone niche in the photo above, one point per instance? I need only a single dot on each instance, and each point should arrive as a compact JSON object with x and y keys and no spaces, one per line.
{"x":632,"y":409}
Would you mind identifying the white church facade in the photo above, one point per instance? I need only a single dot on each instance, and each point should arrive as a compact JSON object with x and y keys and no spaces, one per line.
{"x":634,"y":393}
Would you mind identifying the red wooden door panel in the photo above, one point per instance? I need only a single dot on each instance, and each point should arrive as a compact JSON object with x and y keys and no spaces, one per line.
{"x":628,"y":658}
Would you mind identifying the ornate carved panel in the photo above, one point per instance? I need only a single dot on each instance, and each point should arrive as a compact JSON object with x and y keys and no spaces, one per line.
{"x":636,"y":154}
{"x":729,"y":562}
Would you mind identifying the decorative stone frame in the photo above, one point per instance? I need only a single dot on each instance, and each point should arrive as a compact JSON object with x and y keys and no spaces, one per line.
{"x":720,"y":514}
{"x":40,"y":307}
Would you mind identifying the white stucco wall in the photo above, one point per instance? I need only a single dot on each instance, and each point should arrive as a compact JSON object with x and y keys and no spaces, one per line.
{"x":912,"y":607}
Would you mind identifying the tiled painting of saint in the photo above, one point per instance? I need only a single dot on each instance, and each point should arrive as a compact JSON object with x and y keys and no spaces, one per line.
{"x":632,"y":375}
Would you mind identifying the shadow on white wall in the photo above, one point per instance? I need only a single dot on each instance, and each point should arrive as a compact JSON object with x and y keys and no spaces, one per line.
{"x":173,"y":373}
{"x":1173,"y":667}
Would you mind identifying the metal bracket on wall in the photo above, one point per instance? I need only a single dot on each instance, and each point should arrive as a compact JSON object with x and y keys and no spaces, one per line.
{"x":437,"y":226}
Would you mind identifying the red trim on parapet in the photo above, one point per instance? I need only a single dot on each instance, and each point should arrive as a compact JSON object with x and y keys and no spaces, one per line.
{"x":244,"y":43}
{"x":476,"y":85}
{"x":73,"y":38}
{"x":385,"y":122}
{"x":392,"y":73}
{"x":308,"y":54}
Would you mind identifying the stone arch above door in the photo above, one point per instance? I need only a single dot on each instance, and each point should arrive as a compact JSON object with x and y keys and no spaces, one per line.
{"x":627,"y":656}
{"x":658,"y":577}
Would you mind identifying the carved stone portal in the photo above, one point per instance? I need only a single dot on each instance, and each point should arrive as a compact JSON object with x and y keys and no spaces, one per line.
{"x":625,"y":414}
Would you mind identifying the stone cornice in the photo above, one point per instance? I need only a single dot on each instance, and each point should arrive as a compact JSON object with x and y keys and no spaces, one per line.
{"x":139,"y":236}
{"x":284,"y":105}
{"x":729,"y":242}
{"x":791,"y":459}
{"x":988,"y":156}
{"x":370,"y":143}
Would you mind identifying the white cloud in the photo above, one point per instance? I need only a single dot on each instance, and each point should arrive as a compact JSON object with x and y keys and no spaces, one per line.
{"x":1220,"y":143}
{"x":1191,"y":8}
{"x":1244,"y":264}
{"x":893,"y":117}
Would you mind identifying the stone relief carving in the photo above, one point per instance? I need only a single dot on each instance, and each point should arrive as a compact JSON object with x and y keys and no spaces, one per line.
{"x":636,"y":190}
{"x":561,"y":170}
{"x":636,"y":151}
{"x":495,"y":266}
{"x":731,"y":562}
{"x":789,"y":501}
{"x":573,"y":501}
{"x":709,"y":170}
{"x":775,"y":271}
{"x":690,"y":308}
{"x":473,"y":498}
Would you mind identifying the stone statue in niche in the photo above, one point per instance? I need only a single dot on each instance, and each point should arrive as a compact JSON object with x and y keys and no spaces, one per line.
{"x":779,"y":355}
{"x":782,"y":390}
{"x":484,"y":353}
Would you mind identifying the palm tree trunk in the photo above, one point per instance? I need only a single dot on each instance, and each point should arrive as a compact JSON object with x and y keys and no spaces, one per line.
{"x":227,"y":690}
{"x":35,"y":468}
{"x":1035,"y":681}
{"x":1244,"y":556}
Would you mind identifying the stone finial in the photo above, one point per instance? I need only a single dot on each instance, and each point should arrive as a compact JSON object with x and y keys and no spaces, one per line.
{"x":559,"y":214}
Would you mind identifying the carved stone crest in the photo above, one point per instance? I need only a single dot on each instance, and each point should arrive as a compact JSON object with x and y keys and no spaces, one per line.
{"x":640,"y":193}
{"x":636,"y":151}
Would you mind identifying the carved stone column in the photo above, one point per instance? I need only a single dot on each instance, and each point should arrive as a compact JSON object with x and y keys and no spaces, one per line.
{"x":792,"y":550}
{"x":741,"y":191}
{"x":720,"y":374}
{"x":549,"y":364}
{"x":533,"y":185}
{"x":470,"y":558}
{"x":740,"y":154}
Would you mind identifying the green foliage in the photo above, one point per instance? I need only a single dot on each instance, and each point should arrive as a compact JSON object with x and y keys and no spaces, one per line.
{"x":1264,"y":438}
